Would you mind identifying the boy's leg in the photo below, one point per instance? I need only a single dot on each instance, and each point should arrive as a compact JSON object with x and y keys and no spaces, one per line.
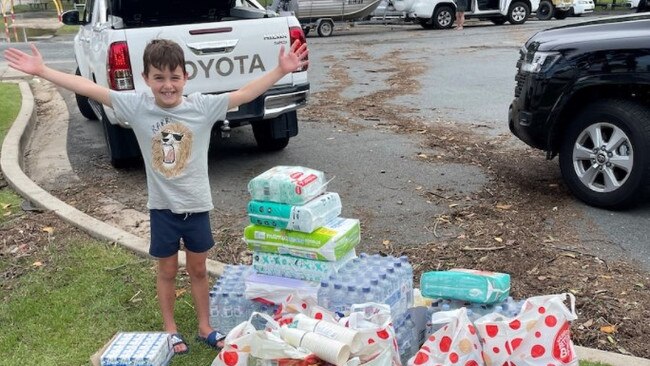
{"x":166,"y":289}
{"x":200,"y":288}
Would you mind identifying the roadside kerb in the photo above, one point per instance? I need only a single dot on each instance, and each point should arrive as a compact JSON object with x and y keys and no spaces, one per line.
{"x":11,"y":163}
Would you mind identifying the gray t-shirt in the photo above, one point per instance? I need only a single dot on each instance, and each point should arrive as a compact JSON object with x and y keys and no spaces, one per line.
{"x":174,"y":144}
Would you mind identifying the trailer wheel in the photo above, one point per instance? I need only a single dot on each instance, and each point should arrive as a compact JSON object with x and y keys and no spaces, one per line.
{"x":545,"y":10}
{"x":325,"y":28}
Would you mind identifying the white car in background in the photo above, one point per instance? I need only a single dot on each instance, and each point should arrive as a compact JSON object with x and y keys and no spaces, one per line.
{"x":633,"y":4}
{"x":584,"y":7}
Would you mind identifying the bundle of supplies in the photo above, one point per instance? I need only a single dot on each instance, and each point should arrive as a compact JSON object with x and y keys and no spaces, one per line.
{"x":306,"y":218}
{"x":466,"y":285}
{"x":299,"y":268}
{"x":293,"y":185}
{"x":141,"y":349}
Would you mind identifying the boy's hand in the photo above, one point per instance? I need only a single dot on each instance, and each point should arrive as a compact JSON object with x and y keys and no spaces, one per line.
{"x":295,"y":58}
{"x":29,"y":64}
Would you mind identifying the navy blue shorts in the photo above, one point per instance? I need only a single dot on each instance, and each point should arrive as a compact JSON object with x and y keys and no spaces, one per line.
{"x":168,"y":228}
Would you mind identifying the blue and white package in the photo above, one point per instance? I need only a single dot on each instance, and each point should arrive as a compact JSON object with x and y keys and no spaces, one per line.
{"x":305,"y":218}
{"x":138,"y":349}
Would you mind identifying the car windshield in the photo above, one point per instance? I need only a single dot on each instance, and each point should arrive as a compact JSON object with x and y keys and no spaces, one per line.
{"x":144,"y":13}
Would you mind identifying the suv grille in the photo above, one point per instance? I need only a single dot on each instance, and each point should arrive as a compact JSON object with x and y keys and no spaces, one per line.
{"x":520,"y":76}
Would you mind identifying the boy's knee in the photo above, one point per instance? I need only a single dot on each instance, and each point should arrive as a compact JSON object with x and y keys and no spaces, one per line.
{"x":197,"y":272}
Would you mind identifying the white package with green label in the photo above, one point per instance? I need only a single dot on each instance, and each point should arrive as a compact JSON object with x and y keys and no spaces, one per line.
{"x":293,"y":185}
{"x":330,"y":242}
{"x":305,"y":218}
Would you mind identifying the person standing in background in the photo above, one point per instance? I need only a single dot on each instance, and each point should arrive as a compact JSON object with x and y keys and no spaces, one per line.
{"x":461,"y":6}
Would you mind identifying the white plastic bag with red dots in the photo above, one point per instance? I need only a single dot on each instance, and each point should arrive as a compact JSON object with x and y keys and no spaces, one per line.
{"x":455,"y":343}
{"x":376,"y":334}
{"x":539,"y":335}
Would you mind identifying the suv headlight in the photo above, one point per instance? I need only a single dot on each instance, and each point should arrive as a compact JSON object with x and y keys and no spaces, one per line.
{"x":539,"y":61}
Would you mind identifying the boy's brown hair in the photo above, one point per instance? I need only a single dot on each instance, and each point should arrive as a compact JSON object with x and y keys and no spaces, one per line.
{"x":163,"y":53}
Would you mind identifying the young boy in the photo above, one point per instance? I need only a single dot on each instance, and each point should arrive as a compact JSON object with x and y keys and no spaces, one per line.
{"x":173,"y":132}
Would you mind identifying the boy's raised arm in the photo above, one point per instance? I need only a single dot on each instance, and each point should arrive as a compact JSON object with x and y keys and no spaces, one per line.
{"x":287,"y":62}
{"x":33,"y":65}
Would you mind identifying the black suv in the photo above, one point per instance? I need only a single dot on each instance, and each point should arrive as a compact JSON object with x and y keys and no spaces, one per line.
{"x":583,"y":92}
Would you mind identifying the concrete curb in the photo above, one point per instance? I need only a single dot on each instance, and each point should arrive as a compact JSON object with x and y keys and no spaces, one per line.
{"x":11,"y":165}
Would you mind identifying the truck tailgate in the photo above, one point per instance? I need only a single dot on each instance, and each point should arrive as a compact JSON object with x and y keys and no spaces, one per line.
{"x":230,"y":53}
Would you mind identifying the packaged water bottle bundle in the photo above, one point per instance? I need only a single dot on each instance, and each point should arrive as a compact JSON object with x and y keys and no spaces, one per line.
{"x":305,"y":218}
{"x":298,"y":268}
{"x":138,"y":349}
{"x":467,"y":285}
{"x":293,"y":185}
{"x":329,"y":243}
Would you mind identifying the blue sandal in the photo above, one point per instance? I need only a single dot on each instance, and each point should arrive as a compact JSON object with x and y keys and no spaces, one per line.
{"x":177,"y":339}
{"x":212,"y":339}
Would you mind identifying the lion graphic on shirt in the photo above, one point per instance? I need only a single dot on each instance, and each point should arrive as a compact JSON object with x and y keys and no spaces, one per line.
{"x":171,"y":148}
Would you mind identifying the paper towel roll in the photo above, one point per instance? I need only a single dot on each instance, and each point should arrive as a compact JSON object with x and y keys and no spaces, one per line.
{"x":326,"y":349}
{"x":330,"y":330}
{"x":292,"y":336}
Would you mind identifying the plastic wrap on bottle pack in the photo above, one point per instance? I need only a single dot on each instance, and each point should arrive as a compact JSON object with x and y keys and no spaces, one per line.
{"x":294,"y":185}
{"x":138,"y":348}
{"x":305,"y":218}
{"x":328,"y":243}
{"x":467,"y":285}
{"x":299,"y":268}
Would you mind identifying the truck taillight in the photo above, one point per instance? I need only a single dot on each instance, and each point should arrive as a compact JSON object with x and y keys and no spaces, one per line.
{"x":120,"y":75}
{"x":296,"y":33}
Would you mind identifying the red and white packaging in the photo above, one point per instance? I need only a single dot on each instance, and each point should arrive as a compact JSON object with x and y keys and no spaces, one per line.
{"x":456,"y":343}
{"x":539,"y":335}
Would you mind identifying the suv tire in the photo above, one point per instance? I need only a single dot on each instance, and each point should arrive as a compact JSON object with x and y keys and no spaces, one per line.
{"x":123,"y":149}
{"x":545,"y":10}
{"x":443,"y":17}
{"x":518,"y":12}
{"x":614,"y":136}
{"x":84,"y":104}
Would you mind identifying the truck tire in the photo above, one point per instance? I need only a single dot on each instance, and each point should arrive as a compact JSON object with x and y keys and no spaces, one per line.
{"x":325,"y":28}
{"x":123,"y":149}
{"x":605,"y":154}
{"x":273,"y":134}
{"x":518,"y":12}
{"x":84,"y":104}
{"x":545,"y":10}
{"x":443,"y":17}
{"x":559,"y":15}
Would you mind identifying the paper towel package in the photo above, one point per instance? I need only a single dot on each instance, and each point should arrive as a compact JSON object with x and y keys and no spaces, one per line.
{"x":299,"y":268}
{"x":467,"y":285}
{"x":305,"y":218}
{"x":294,"y":185}
{"x":328,"y":243}
{"x":138,"y":349}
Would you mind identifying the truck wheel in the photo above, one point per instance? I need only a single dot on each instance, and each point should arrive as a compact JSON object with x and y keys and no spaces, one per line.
{"x":559,"y":15}
{"x":273,"y":134}
{"x":443,"y":17}
{"x":605,"y":155}
{"x":325,"y":28}
{"x":123,"y":149}
{"x":518,"y":13}
{"x":545,"y":10}
{"x":83,"y":104}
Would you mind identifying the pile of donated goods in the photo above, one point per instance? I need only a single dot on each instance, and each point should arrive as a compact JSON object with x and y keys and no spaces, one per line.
{"x":308,"y":299}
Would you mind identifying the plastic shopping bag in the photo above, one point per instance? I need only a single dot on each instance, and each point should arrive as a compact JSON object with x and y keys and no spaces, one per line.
{"x":455,"y":343}
{"x":376,"y":335}
{"x":244,"y":343}
{"x":539,"y":335}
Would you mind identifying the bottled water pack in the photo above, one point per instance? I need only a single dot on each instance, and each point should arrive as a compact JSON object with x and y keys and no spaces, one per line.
{"x":138,"y":348}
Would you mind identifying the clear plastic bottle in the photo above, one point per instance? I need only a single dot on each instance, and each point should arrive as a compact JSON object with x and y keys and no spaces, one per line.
{"x":241,"y":311}
{"x":352,"y":297}
{"x":225,"y":313}
{"x":408,"y":269}
{"x":337,"y":298}
{"x":324,"y":294}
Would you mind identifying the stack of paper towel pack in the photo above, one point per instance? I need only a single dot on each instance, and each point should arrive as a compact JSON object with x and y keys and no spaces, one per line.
{"x":296,"y":230}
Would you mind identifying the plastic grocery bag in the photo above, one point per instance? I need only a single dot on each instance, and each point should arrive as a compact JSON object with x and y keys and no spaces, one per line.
{"x":455,"y":343}
{"x":539,"y":335}
{"x":244,"y":342}
{"x":376,"y":333}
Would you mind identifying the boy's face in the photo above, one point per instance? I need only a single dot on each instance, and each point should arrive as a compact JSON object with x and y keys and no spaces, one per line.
{"x":166,"y":85}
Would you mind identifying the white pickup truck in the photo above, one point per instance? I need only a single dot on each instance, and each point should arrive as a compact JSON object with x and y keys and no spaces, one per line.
{"x":227,"y":43}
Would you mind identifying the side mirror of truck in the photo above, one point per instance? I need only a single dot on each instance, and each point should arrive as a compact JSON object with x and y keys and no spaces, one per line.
{"x":71,"y":17}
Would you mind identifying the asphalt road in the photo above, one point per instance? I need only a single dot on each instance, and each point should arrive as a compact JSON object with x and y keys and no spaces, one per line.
{"x":469,"y":78}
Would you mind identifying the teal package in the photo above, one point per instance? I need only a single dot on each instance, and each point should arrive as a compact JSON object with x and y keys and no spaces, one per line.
{"x":466,"y":285}
{"x":304,"y":218}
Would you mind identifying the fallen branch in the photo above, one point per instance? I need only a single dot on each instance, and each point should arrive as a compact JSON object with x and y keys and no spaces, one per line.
{"x":483,"y":249}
